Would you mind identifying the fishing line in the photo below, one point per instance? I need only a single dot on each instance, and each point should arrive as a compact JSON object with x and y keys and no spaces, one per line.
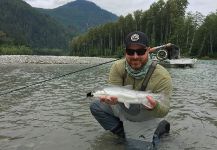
{"x":57,"y":77}
{"x":67,"y":74}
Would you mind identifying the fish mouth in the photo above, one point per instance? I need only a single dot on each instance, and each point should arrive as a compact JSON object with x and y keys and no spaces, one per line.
{"x":90,"y":94}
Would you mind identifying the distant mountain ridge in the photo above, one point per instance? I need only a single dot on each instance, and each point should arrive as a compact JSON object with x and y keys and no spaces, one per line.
{"x":81,"y":14}
{"x":26,"y":25}
{"x":53,"y":28}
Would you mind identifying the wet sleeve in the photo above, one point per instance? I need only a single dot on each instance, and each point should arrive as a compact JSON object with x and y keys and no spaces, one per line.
{"x":165,"y":88}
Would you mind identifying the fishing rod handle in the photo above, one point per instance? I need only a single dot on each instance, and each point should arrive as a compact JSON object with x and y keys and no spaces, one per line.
{"x":162,"y":46}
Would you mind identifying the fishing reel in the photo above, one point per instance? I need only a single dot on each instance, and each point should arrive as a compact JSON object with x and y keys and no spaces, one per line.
{"x":162,"y":54}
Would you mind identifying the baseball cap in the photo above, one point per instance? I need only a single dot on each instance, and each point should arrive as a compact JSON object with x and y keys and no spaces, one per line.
{"x":136,"y":37}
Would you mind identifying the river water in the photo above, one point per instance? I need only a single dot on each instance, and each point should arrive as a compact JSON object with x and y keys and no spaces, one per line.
{"x":55,"y":115}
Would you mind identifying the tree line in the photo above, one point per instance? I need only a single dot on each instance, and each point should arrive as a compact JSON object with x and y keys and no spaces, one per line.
{"x":9,"y":46}
{"x":163,"y":22}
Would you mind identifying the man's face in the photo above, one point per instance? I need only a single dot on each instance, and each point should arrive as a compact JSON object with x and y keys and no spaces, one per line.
{"x":136,"y":56}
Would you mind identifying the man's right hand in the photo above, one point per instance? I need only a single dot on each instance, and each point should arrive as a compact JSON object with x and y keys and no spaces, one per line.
{"x":111,"y":100}
{"x":168,"y":44}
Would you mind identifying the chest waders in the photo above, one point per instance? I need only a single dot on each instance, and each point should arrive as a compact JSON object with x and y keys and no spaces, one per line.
{"x":164,"y":126}
{"x":135,"y":109}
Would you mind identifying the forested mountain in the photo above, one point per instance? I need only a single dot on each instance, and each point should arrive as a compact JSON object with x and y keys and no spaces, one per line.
{"x":24,"y":28}
{"x":165,"y":21}
{"x":80,"y":15}
{"x":24,"y":25}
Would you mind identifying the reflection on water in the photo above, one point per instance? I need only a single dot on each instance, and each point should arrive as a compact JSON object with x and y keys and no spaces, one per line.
{"x":55,"y":115}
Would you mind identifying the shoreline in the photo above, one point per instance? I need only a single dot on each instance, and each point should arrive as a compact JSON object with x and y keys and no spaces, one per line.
{"x":41,"y":59}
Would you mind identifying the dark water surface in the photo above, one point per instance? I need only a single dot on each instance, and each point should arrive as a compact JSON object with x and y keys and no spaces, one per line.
{"x":55,"y":115}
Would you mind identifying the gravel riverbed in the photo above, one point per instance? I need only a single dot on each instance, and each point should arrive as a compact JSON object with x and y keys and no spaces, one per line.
{"x":35,"y":59}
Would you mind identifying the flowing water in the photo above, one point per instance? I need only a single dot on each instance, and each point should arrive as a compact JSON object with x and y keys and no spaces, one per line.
{"x":55,"y":115}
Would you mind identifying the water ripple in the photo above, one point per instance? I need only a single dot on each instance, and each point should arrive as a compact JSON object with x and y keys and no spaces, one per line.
{"x":56,"y":115}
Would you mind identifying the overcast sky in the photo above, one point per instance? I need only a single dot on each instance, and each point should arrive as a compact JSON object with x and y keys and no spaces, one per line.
{"x":123,"y":7}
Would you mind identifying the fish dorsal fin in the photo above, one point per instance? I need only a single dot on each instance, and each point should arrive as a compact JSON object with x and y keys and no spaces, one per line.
{"x":130,"y":87}
{"x":127,"y":105}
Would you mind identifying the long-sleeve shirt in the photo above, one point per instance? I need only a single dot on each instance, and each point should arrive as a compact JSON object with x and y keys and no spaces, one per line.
{"x":160,"y":82}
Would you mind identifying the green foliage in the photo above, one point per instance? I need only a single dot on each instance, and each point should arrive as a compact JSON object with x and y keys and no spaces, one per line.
{"x":164,"y":22}
{"x":206,"y":39}
{"x":47,"y":51}
{"x":27,"y":26}
{"x":47,"y":32}
{"x":15,"y":50}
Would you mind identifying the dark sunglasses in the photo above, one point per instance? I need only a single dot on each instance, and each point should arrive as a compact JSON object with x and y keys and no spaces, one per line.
{"x":139,"y":52}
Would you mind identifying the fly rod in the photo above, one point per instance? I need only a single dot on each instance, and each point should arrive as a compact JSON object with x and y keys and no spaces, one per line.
{"x":160,"y":47}
{"x":60,"y":76}
{"x":67,"y":74}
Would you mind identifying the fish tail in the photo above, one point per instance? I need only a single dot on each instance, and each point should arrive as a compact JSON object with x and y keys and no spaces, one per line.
{"x":90,"y":94}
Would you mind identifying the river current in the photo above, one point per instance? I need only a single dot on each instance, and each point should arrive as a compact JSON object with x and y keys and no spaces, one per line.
{"x":55,"y":115}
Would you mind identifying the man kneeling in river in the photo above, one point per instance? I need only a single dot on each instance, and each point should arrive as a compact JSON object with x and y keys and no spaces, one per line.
{"x":134,"y":70}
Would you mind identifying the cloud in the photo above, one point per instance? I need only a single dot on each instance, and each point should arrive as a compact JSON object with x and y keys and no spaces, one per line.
{"x":47,"y":3}
{"x":123,"y":7}
{"x":203,"y":6}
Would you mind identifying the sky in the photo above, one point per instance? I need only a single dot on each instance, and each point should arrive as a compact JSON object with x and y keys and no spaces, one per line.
{"x":123,"y":7}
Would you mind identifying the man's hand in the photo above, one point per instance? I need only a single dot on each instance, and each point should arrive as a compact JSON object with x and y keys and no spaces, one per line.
{"x":168,"y":44}
{"x":111,"y":100}
{"x":152,"y":102}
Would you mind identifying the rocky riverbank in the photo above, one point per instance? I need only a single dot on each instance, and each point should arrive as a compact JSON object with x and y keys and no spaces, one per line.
{"x":19,"y":59}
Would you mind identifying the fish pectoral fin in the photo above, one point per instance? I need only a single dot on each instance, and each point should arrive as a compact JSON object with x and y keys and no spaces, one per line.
{"x":147,"y":105}
{"x":127,"y":105}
